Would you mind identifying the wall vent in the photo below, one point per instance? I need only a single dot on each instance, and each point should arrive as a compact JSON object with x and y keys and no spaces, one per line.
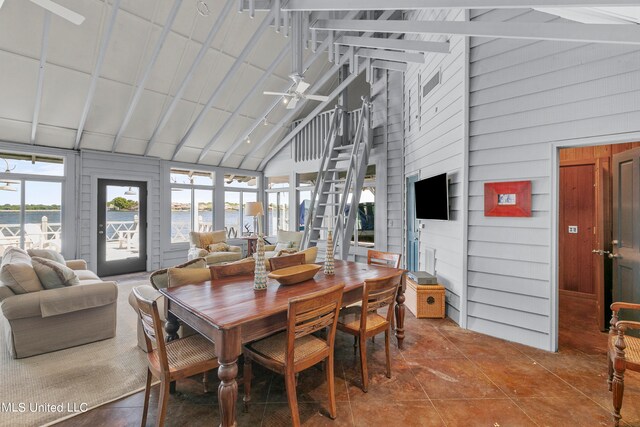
{"x":431,"y":84}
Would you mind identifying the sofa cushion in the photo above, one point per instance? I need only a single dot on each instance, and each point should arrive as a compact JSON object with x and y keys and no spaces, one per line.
{"x":283,"y":246}
{"x":218,"y":247}
{"x":186,"y":276}
{"x":218,"y":257}
{"x":86,"y":275}
{"x":54,"y":275}
{"x":16,"y":272}
{"x":48,"y":254}
{"x":292,"y":237}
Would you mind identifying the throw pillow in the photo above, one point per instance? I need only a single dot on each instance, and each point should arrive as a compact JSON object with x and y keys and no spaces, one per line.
{"x":187,"y":276}
{"x":282,"y":245}
{"x":54,"y":275}
{"x":48,"y":254}
{"x":160,"y":280}
{"x":310,"y":254}
{"x":16,"y":272}
{"x":218,"y":247}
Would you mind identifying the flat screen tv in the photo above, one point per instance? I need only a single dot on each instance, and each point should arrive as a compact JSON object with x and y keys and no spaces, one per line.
{"x":432,"y":198}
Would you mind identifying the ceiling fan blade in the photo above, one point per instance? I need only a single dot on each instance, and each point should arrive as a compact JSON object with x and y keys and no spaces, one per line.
{"x":61,"y":11}
{"x":302,"y":86}
{"x":320,"y":98}
{"x":275,"y":93}
{"x":1,"y":1}
{"x":292,"y":104}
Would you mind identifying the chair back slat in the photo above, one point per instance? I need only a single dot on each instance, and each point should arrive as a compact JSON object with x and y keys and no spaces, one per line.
{"x":235,"y":269}
{"x":311,"y":313}
{"x":151,"y":324}
{"x":377,"y":294}
{"x":279,"y":262}
{"x":384,"y":259}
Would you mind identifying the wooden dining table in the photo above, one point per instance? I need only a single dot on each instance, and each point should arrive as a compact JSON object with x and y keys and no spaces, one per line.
{"x":230,"y":313}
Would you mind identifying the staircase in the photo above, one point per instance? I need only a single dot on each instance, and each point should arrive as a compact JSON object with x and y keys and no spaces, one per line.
{"x":342,"y":172}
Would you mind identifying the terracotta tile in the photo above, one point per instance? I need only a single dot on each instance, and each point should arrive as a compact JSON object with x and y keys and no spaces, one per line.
{"x":525,"y":379}
{"x":482,"y":412}
{"x":402,"y":386}
{"x":311,"y":414}
{"x":312,"y":386}
{"x":579,"y":411}
{"x":450,"y":379}
{"x":475,"y":345}
{"x":406,"y":414}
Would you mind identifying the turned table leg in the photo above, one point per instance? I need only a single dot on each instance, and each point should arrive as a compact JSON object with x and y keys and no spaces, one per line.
{"x":400,"y":309}
{"x":228,"y":347}
{"x":171,"y":327}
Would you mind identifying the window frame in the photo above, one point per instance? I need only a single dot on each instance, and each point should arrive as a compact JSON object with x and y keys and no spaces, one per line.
{"x":192,"y":188}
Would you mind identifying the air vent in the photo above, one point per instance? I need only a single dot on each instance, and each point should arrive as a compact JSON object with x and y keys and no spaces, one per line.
{"x":431,"y":84}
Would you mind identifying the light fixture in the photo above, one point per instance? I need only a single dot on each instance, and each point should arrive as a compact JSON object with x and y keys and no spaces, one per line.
{"x":265,"y":123}
{"x":255,"y":210}
{"x":285,"y":101}
{"x":7,"y":184}
{"x":248,"y":141}
{"x":130,"y":192}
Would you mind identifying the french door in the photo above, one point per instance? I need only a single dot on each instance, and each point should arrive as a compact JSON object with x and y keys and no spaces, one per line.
{"x":122,"y":227}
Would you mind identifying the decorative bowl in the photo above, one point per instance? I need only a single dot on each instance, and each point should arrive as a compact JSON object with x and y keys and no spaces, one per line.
{"x":295,"y":274}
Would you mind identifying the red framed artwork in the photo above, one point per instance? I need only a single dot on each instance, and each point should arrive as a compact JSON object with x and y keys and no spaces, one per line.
{"x":507,"y":198}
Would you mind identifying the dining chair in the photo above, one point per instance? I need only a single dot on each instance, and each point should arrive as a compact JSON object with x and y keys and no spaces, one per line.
{"x":297,"y":348}
{"x":285,"y":261}
{"x":363,"y":321}
{"x":168,"y":361}
{"x":384,"y":259}
{"x":623,"y":353}
{"x":238,"y":268}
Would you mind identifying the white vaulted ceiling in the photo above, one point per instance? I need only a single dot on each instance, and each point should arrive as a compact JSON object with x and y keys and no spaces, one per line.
{"x":73,"y":51}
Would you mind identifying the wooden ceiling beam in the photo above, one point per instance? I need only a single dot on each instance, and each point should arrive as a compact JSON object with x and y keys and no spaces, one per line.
{"x":106,"y":36}
{"x":589,"y":33}
{"x":404,"y":45}
{"x":187,"y":78}
{"x":324,"y":5}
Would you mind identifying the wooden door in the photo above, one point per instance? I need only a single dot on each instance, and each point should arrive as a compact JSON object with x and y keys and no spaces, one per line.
{"x":626,"y":229}
{"x":577,"y":224}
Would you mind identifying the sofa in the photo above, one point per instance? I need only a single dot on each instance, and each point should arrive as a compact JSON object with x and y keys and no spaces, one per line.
{"x":38,"y":319}
{"x":212,"y":246}
{"x":287,"y":241}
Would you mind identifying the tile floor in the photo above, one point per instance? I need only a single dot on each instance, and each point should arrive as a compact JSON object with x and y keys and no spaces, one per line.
{"x":444,"y":376}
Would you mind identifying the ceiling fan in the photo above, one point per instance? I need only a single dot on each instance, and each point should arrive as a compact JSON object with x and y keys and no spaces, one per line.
{"x":294,"y":95}
{"x":59,"y":10}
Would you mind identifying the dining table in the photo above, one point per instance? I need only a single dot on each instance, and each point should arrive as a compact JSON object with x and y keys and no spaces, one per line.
{"x":230,"y":313}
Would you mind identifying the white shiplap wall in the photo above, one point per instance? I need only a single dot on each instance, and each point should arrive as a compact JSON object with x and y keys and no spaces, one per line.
{"x":434,"y":144}
{"x":524,"y":96}
{"x":95,"y":165}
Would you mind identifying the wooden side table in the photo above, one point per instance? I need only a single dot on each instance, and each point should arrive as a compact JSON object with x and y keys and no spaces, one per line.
{"x":252,"y":242}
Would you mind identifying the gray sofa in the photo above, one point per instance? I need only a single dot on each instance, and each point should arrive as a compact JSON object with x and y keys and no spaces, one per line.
{"x":47,"y":320}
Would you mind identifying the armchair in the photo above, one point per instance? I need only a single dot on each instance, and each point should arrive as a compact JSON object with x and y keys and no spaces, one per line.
{"x":212,"y":246}
{"x":289,"y":240}
{"x":623,"y":353}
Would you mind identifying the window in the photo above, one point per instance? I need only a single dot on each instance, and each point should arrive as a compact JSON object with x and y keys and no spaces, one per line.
{"x":35,"y":220}
{"x":278,"y":204}
{"x":192,"y":206}
{"x":306,"y":181}
{"x":239,"y":189}
{"x":365,"y":219}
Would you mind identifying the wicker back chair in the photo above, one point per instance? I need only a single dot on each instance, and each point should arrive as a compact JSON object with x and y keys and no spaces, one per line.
{"x":285,"y":261}
{"x":297,"y":348}
{"x":244,"y":268}
{"x":623,"y":354}
{"x":385,"y":259}
{"x":363,"y":321}
{"x":168,"y":361}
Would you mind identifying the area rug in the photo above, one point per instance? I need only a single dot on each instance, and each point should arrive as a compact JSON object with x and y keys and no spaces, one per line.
{"x":43,"y":389}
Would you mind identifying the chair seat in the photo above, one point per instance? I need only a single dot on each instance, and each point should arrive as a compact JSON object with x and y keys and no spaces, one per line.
{"x":186,"y":352}
{"x":632,"y":350}
{"x":274,"y":347}
{"x":350,"y":319}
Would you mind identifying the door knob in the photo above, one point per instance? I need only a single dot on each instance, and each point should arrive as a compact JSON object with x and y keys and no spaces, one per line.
{"x":615,"y":256}
{"x":100,"y":232}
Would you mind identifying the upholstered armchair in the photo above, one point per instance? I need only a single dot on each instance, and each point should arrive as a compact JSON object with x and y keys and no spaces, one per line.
{"x":286,"y":240}
{"x":212,"y":246}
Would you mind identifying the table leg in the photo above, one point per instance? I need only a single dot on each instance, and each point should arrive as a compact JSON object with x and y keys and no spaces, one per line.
{"x":400,"y":309}
{"x":229,"y":348}
{"x":171,"y":327}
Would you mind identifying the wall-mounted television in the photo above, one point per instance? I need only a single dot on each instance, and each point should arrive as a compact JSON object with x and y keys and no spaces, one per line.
{"x":432,"y":197}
